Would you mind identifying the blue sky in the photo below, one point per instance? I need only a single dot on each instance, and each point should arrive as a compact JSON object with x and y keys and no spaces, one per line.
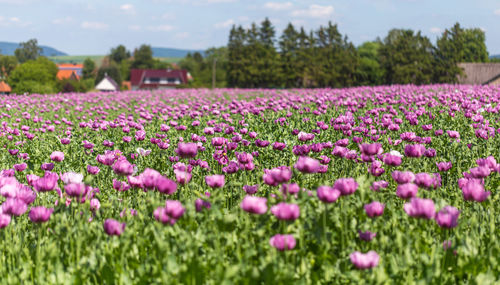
{"x":81,"y":27}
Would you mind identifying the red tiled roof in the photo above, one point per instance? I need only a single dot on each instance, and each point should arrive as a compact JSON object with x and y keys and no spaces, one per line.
{"x":4,"y":87}
{"x":66,"y":74}
{"x":70,"y":65}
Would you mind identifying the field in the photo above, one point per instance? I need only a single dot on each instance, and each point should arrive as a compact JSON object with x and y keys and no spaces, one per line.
{"x":379,"y":185}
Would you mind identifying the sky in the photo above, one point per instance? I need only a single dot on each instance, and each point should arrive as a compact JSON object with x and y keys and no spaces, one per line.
{"x":87,"y":27}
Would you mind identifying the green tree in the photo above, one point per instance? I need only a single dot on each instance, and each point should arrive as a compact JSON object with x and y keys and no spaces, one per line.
{"x":111,"y":69}
{"x":7,"y":64}
{"x":88,"y":68}
{"x":369,"y":71}
{"x":34,"y":76}
{"x":406,"y":57}
{"x":28,"y":51}
{"x":267,"y":58}
{"x":119,"y":54}
{"x":475,"y":46}
{"x":237,"y":68}
{"x":289,"y":46}
{"x":143,"y":58}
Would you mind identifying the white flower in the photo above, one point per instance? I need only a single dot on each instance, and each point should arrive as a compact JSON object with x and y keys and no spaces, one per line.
{"x":395,"y":153}
{"x":143,"y":152}
{"x":72,"y":177}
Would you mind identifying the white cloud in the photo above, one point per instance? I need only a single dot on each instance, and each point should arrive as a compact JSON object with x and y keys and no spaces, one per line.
{"x":435,"y":30}
{"x":278,"y":5}
{"x":128,"y":8}
{"x":497,"y":12}
{"x":61,"y":21}
{"x":225,"y":24}
{"x":134,"y":28}
{"x":94,"y":25}
{"x":13,"y":21}
{"x":314,"y":11}
{"x":183,"y":35}
{"x":161,"y":28}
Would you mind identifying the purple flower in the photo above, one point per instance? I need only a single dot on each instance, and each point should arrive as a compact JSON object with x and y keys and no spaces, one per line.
{"x":165,"y":185}
{"x":95,"y":205}
{"x":113,"y":227}
{"x":251,"y":189}
{"x":307,"y":165}
{"x":199,"y":204}
{"x":40,"y":214}
{"x":284,"y":211}
{"x":47,"y":166}
{"x":371,"y":149}
{"x":123,"y":167}
{"x":20,"y":167}
{"x":187,"y":150}
{"x":416,"y":150}
{"x":14,"y":206}
{"x":377,"y":185}
{"x":364,"y":260}
{"x":474,"y":191}
{"x":392,"y":160}
{"x":480,"y":172}
{"x":366,"y":236}
{"x":75,"y":189}
{"x":448,"y":217}
{"x":182,"y":177}
{"x":277,"y":175}
{"x":420,"y":208}
{"x":346,"y":186}
{"x":4,"y":219}
{"x":174,"y":209}
{"x":328,"y":194}
{"x":407,"y":190}
{"x":93,"y":169}
{"x":403,"y":177}
{"x":46,"y":183}
{"x":374,"y":209}
{"x":444,"y":166}
{"x":282,"y":242}
{"x":215,"y":181}
{"x":290,"y":189}
{"x":57,"y":156}
{"x":254,"y":205}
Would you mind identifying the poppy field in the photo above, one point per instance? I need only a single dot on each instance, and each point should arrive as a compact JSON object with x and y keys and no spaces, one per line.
{"x":368,"y":185}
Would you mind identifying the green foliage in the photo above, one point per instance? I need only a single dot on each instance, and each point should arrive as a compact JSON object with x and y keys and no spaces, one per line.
{"x":406,"y":57}
{"x":143,"y":58}
{"x":201,"y":68}
{"x":34,"y":76}
{"x":69,"y":85}
{"x":7,"y":64}
{"x":369,"y":71}
{"x":28,"y":51}
{"x":88,"y":68}
{"x":119,"y":54}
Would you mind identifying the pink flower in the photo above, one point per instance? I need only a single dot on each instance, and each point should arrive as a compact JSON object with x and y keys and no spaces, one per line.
{"x":199,"y":204}
{"x":407,"y":190}
{"x":165,"y":185}
{"x":474,"y":191}
{"x":346,"y":186}
{"x":284,"y":211}
{"x":448,"y":217}
{"x":307,"y":165}
{"x":182,"y":177}
{"x":328,"y":194}
{"x":366,"y":236}
{"x":374,"y":209}
{"x":14,"y":206}
{"x":403,"y":177}
{"x":416,"y":150}
{"x":113,"y":227}
{"x":93,"y":169}
{"x":254,"y":205}
{"x":251,"y":189}
{"x":371,"y":149}
{"x":174,"y":209}
{"x":282,"y":242}
{"x":123,"y":167}
{"x":187,"y":149}
{"x":420,"y":208}
{"x":57,"y":156}
{"x":215,"y":181}
{"x":40,"y":214}
{"x":365,"y":260}
{"x":46,"y":183}
{"x":444,"y":166}
{"x":377,"y":185}
{"x":95,"y":205}
{"x":4,"y":219}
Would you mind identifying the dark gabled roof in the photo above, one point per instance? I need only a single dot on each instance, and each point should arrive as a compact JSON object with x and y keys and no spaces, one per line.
{"x":479,"y":73}
{"x":137,"y":75}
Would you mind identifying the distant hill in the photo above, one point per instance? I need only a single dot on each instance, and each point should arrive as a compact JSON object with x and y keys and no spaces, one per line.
{"x":495,"y":56}
{"x":173,"y":52}
{"x":7,"y":48}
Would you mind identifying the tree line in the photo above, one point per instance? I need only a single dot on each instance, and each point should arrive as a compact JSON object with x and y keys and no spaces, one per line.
{"x":256,"y":58}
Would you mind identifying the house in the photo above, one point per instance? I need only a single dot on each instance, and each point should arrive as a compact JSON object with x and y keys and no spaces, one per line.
{"x":480,"y":73}
{"x":107,"y":84}
{"x":158,"y":78}
{"x":69,"y":71}
{"x":4,"y":88}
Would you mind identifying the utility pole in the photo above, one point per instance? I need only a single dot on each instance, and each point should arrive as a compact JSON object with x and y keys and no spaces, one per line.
{"x":213,"y":72}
